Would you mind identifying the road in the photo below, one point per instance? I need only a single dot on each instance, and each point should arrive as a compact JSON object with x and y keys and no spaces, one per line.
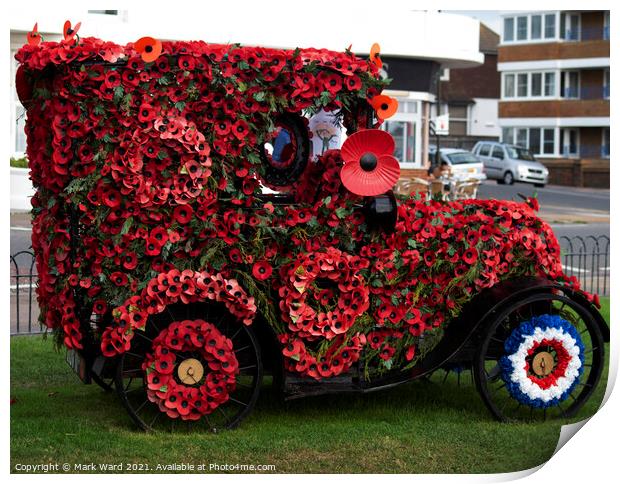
{"x":550,"y":197}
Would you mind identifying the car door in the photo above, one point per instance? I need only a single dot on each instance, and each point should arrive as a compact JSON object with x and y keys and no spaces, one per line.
{"x":484,"y":153}
{"x":498,"y":161}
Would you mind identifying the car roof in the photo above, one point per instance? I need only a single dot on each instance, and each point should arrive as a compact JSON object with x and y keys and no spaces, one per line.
{"x":450,"y":151}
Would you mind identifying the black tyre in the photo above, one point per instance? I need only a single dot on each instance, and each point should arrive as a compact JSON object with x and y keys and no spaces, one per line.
{"x":509,"y":178}
{"x":192,"y":372}
{"x":513,"y":391}
{"x":539,"y":185}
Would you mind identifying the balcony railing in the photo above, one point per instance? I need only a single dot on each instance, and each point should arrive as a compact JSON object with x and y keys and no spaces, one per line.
{"x":586,"y":151}
{"x":586,"y":92}
{"x":588,"y":33}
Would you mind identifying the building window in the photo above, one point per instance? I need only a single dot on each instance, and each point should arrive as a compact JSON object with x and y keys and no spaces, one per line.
{"x":509,"y":85}
{"x":18,"y":116}
{"x":548,"y":141}
{"x":570,"y":84}
{"x":531,"y":28}
{"x":606,"y":26}
{"x":507,"y":135}
{"x":536,"y":26}
{"x":522,"y":85}
{"x":536,"y":84}
{"x":540,"y":141}
{"x":605,"y":147}
{"x":570,"y":24}
{"x":521,"y":138}
{"x":550,"y":26}
{"x":606,"y":84}
{"x":535,"y":141}
{"x":529,"y":85}
{"x":509,"y":29}
{"x":570,"y":143}
{"x":458,"y":120}
{"x":549,"y":83}
{"x":521,"y":28}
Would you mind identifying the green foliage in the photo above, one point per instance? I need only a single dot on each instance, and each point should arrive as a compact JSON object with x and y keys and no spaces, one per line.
{"x":19,"y":162}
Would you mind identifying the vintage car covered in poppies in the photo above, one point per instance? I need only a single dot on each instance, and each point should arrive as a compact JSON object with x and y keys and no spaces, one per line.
{"x":189,"y":241}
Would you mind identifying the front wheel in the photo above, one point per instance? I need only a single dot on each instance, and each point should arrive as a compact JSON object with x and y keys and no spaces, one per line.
{"x":540,"y":359}
{"x":201,"y":370}
{"x":539,"y":185}
{"x":509,"y":178}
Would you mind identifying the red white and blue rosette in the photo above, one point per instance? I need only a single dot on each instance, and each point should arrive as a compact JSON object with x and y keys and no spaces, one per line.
{"x":546,"y":339}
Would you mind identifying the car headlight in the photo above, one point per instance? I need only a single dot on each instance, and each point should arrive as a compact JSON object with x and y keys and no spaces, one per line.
{"x":522,"y":170}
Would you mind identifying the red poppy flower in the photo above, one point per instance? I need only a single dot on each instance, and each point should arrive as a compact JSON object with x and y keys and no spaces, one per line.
{"x":353,"y":83}
{"x":470,"y":256}
{"x":183,"y":214}
{"x":375,"y":55}
{"x":152,"y":246}
{"x":33,"y":37}
{"x":148,"y":48}
{"x":369,"y":167}
{"x":70,"y":32}
{"x":146,"y":113}
{"x":240,"y":129}
{"x":385,"y":106}
{"x":130,"y":261}
{"x":119,"y":279}
{"x":261,"y":270}
{"x":100,"y":307}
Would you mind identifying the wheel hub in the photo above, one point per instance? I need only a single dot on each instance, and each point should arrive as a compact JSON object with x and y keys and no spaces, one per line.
{"x":190,"y":371}
{"x":543,"y":364}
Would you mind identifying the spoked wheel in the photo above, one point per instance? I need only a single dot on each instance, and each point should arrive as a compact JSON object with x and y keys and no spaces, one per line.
{"x":540,"y":359}
{"x":106,"y":382}
{"x":193,"y":368}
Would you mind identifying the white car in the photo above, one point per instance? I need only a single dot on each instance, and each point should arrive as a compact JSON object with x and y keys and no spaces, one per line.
{"x":464,"y":165}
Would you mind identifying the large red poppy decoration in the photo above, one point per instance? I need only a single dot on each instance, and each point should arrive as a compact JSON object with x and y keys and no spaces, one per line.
{"x":369,"y":167}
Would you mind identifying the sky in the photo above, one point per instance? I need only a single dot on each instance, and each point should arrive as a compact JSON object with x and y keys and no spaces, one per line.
{"x":491,"y":18}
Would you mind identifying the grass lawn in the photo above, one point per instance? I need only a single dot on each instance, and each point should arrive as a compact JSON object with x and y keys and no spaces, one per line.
{"x":420,"y":427}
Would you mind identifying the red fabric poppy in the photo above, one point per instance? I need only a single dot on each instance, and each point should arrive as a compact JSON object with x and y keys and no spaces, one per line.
{"x":262,"y":270}
{"x":148,"y":48}
{"x":182,"y":214}
{"x":369,"y":167}
{"x":384,"y":106}
{"x":69,"y":32}
{"x":33,"y":37}
{"x":375,"y":55}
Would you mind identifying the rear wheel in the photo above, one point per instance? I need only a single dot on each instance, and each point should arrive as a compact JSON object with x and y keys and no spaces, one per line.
{"x":540,"y":359}
{"x":193,"y":368}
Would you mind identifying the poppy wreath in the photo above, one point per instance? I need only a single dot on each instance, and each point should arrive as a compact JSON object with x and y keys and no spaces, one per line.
{"x":530,"y":382}
{"x":169,"y":288}
{"x":323,"y":293}
{"x":190,"y":396}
